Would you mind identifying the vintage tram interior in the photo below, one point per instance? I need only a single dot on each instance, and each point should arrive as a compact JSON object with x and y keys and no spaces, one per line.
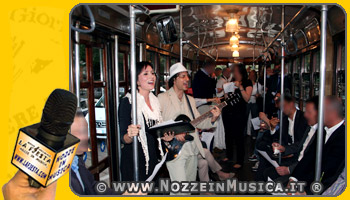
{"x":194,"y":34}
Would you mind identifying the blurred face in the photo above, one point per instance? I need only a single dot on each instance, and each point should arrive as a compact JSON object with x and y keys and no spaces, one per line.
{"x":218,"y":72}
{"x":288,"y":108}
{"x":79,"y":129}
{"x":181,"y":81}
{"x":227,"y":72}
{"x":146,"y":79}
{"x":329,"y":113}
{"x":310,"y":114}
{"x":210,"y":69}
{"x":236,"y":73}
{"x":252,"y":75}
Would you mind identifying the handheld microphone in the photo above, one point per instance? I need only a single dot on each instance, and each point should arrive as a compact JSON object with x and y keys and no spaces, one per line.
{"x":44,"y":151}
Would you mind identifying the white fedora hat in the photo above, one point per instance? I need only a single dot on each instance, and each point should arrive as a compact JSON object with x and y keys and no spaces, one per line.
{"x":177,"y":68}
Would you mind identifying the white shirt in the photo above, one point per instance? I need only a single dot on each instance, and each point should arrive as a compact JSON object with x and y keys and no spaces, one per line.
{"x":291,"y":126}
{"x":307,"y":141}
{"x":219,"y":84}
{"x":255,"y":90}
{"x":329,"y":131}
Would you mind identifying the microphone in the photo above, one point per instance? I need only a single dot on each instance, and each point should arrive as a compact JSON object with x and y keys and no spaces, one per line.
{"x":44,"y":151}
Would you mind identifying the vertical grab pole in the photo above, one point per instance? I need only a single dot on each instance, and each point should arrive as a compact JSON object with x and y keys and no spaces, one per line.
{"x":77,"y":64}
{"x":141,"y":52}
{"x":321,"y":92}
{"x":133,"y":88}
{"x":116,"y":74}
{"x":264,"y":98}
{"x":282,"y":84}
{"x":181,"y":31}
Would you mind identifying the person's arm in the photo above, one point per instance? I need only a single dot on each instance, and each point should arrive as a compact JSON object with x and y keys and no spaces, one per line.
{"x":246,"y":93}
{"x":200,"y":102}
{"x":127,"y":130}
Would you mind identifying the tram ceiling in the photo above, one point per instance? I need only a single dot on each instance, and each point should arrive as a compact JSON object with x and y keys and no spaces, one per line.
{"x":204,"y":25}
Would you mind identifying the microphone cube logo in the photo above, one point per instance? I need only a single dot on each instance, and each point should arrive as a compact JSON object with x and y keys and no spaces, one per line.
{"x":41,"y":162}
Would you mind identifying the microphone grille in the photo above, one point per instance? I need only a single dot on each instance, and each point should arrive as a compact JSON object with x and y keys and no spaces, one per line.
{"x":58,"y":113}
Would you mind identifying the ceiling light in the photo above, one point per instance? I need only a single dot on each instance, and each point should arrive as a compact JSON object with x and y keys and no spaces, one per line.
{"x":232,"y":25}
{"x":235,"y":54}
{"x":234,"y":47}
{"x":234,"y":40}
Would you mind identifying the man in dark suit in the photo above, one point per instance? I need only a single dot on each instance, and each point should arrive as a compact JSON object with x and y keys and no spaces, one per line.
{"x":297,"y":149}
{"x":82,"y":181}
{"x":333,"y":155}
{"x":203,"y":84}
{"x":293,"y":130}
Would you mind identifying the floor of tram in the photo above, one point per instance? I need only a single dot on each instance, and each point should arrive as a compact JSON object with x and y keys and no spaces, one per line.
{"x":245,"y":173}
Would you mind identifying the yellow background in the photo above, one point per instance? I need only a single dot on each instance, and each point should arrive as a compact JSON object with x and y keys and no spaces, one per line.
{"x":34,"y":60}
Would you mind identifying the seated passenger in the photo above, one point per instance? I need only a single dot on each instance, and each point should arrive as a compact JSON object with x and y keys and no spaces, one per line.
{"x":298,"y":149}
{"x":293,"y":130}
{"x":81,"y":180}
{"x":333,"y":153}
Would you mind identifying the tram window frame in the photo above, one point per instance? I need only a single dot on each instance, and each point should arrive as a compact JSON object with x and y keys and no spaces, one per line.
{"x":90,"y":85}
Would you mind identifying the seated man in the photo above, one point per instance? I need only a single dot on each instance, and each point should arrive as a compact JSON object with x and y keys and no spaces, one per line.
{"x":82,"y":181}
{"x":297,"y":149}
{"x":333,"y":155}
{"x":293,"y":130}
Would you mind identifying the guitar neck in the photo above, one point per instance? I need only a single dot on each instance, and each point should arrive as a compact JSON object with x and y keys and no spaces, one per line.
{"x":206,"y":115}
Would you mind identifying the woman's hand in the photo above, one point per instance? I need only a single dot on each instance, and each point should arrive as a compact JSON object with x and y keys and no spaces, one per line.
{"x":238,"y":84}
{"x":133,"y":130}
{"x":168,"y":136}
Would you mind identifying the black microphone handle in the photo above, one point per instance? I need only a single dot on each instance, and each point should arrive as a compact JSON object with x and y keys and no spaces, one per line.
{"x":33,"y":183}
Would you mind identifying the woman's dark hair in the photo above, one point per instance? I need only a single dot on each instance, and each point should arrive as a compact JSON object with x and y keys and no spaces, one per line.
{"x":139,"y":67}
{"x":255,"y":74}
{"x":243,"y":71}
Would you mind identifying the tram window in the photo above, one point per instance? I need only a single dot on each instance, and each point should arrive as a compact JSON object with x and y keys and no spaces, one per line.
{"x":343,"y":63}
{"x":150,"y":57}
{"x":84,"y":104}
{"x":162,"y":72}
{"x":84,"y":100}
{"x":318,"y":61}
{"x":121,"y":65}
{"x":97,"y":63}
{"x":173,"y":61}
{"x":307,"y":63}
{"x":82,"y":62}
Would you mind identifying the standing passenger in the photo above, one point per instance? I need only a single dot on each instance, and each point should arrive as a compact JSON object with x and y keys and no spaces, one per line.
{"x":173,"y":103}
{"x":148,"y":115}
{"x":234,"y":116}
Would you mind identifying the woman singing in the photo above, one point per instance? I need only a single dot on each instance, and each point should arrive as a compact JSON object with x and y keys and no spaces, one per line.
{"x":148,"y":115}
{"x":234,"y":116}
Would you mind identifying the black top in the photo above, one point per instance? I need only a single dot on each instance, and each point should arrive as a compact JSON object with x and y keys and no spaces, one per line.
{"x":238,"y":107}
{"x":203,"y":86}
{"x":127,"y":165}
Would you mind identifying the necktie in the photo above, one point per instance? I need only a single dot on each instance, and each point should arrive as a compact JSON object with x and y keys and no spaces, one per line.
{"x":75,"y":168}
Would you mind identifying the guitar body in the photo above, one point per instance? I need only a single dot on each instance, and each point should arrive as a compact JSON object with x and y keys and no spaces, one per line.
{"x":183,"y":118}
{"x":175,"y":145}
